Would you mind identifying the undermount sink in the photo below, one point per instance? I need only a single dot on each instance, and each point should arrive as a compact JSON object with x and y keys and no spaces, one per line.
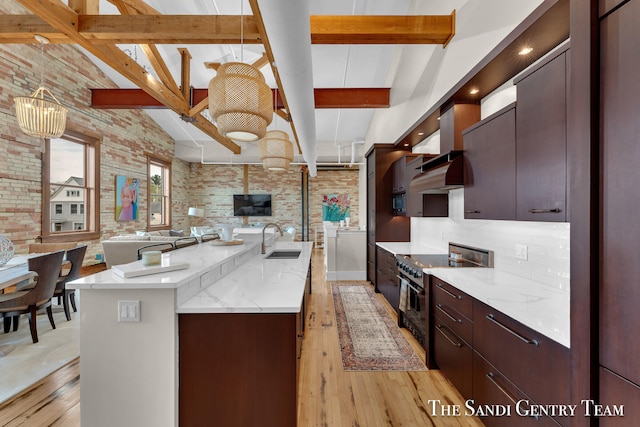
{"x":283,"y":254}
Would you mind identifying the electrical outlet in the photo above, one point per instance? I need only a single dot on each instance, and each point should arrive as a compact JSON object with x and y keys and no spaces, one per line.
{"x":128,"y":311}
{"x":522,"y":252}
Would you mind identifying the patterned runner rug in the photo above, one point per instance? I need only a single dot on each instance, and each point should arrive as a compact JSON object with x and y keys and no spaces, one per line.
{"x":370,"y":340}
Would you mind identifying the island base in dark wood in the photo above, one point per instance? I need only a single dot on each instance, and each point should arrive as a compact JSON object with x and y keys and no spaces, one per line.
{"x":238,"y":369}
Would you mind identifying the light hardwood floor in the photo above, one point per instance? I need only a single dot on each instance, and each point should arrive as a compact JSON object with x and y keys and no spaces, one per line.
{"x":329,"y":396}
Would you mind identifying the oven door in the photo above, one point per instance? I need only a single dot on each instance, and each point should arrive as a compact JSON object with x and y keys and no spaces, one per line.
{"x":414,"y":317}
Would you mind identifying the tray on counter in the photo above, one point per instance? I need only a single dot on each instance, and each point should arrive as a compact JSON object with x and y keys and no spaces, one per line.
{"x":136,"y":269}
{"x":227,"y":242}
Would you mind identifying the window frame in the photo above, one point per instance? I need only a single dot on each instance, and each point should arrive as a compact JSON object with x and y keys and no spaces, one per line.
{"x":153,"y":160}
{"x":91,"y":186}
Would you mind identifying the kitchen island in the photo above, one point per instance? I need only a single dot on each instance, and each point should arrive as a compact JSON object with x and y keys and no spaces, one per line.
{"x":131,"y":369}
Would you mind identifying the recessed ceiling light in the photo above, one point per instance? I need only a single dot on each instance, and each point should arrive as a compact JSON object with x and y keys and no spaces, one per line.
{"x":474,"y":91}
{"x":525,"y":50}
{"x":438,"y":118}
{"x":406,"y":144}
{"x":420,"y":133}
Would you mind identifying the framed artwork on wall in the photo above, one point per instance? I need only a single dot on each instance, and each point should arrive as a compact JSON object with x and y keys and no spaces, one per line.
{"x":127,"y":190}
{"x":335,"y":207}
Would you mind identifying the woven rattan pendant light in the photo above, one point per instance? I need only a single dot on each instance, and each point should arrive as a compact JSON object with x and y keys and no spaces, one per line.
{"x":239,"y":98}
{"x":41,"y":114}
{"x":276,"y":151}
{"x":240,"y":102}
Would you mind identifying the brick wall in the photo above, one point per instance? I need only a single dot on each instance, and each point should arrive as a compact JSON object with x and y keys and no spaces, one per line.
{"x":126,"y":135}
{"x":212,"y":187}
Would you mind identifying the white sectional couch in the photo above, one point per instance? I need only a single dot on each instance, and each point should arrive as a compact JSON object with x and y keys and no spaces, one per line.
{"x":124,"y":248}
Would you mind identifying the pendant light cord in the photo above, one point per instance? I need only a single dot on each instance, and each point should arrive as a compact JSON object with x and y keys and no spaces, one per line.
{"x":241,"y":30}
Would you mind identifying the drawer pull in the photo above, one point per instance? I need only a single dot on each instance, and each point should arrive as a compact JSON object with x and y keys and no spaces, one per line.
{"x":446,"y":313}
{"x":555,"y":210}
{"x":448,"y":292}
{"x":504,"y":391}
{"x":472,"y":212}
{"x":511,"y":331}
{"x":439,"y":328}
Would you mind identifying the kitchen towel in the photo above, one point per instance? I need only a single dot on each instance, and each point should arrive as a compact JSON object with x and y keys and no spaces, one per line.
{"x":404,"y":295}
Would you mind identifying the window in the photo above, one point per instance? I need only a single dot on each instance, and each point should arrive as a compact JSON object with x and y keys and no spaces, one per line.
{"x":70,"y":188}
{"x":159,"y":173}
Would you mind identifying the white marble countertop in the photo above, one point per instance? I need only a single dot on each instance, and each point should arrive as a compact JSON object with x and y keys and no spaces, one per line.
{"x":243,"y":281}
{"x":542,"y":308}
{"x":258,"y":286}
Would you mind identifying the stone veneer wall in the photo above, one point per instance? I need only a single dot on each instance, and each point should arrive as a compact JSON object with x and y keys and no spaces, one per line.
{"x":211,"y":187}
{"x":126,"y":136}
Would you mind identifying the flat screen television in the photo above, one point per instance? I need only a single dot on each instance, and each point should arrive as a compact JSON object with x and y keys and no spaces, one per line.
{"x":252,"y":204}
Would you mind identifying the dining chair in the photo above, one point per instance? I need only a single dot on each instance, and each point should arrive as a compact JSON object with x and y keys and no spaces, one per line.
{"x":162,"y":247}
{"x":14,"y":304}
{"x":75,"y":257}
{"x":207,"y":237}
{"x":183,"y":242}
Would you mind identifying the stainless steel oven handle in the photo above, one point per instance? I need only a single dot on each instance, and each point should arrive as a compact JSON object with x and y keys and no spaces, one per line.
{"x":409,"y":284}
{"x":446,"y":291}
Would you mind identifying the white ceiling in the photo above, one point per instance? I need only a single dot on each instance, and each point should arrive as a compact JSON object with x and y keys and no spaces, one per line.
{"x":413,"y":88}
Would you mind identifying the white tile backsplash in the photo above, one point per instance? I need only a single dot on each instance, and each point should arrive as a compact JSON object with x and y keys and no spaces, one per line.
{"x":547,"y":243}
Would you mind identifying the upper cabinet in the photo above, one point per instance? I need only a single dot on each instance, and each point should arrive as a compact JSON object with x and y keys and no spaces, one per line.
{"x":453,"y":121}
{"x":516,"y":159}
{"x":541,"y":138}
{"x":490,"y":167}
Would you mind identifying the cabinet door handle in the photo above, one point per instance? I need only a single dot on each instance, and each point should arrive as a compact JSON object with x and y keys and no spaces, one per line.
{"x":534,"y":211}
{"x":446,"y":291}
{"x":440,"y":329}
{"x":511,"y":331}
{"x":504,"y":391}
{"x":446,"y":313}
{"x":472,"y":212}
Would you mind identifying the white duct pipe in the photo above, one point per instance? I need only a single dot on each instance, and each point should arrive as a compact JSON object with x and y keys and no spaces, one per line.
{"x":288,"y":29}
{"x":353,"y":151}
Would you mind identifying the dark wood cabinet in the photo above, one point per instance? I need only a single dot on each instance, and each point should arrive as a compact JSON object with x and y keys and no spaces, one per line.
{"x":541,"y":141}
{"x":453,"y":121}
{"x":451,"y":311}
{"x":233,"y":361}
{"x":492,"y":388}
{"x":534,"y":363}
{"x":494,"y":359}
{"x":619,"y":316}
{"x":490,"y":167}
{"x":387,"y":282}
{"x":382,"y":224}
{"x":618,"y":393}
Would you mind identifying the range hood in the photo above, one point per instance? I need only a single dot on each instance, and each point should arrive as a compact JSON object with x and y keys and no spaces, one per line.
{"x":440,"y":174}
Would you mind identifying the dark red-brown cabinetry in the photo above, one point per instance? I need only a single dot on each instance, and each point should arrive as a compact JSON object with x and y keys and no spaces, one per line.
{"x":541,"y":139}
{"x":619,"y":317}
{"x":493,"y":359}
{"x":387,"y":281}
{"x":490,"y":167}
{"x":382,"y":224}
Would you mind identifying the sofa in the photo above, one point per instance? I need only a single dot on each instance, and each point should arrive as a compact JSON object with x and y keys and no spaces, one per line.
{"x":123,"y":249}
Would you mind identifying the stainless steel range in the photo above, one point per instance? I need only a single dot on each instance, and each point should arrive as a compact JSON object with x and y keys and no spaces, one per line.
{"x":414,"y":309}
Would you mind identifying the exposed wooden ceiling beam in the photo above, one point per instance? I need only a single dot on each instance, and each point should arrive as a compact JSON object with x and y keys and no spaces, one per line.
{"x":324,"y":98}
{"x":225,"y":29}
{"x":432,"y":29}
{"x":65,"y":20}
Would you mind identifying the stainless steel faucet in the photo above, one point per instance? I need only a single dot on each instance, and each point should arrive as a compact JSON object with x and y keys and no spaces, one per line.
{"x":265,"y":227}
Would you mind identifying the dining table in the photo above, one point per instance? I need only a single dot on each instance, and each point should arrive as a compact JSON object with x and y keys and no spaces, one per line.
{"x":15,"y":271}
